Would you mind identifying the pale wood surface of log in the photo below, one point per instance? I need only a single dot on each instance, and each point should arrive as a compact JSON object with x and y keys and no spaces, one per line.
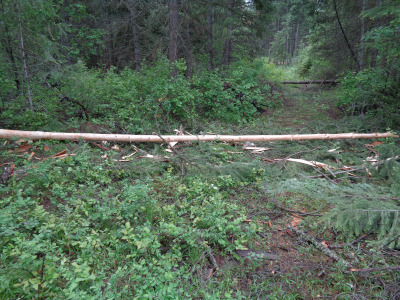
{"x":41,"y":135}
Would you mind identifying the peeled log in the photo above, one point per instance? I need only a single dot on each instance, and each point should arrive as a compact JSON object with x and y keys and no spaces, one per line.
{"x":41,"y":135}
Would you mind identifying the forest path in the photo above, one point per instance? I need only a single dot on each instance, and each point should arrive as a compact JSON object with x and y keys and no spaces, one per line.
{"x":303,"y":104}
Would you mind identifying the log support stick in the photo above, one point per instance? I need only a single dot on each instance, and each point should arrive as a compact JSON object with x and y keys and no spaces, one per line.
{"x":312,"y":82}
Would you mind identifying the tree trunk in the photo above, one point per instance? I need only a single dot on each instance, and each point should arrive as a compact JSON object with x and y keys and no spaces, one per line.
{"x":108,"y":39}
{"x":10,"y":53}
{"x":362,"y":37}
{"x":110,"y":42}
{"x":353,"y":55}
{"x":40,"y":135}
{"x":228,"y":40}
{"x":290,"y":47}
{"x":287,"y":47}
{"x":374,"y":55}
{"x":287,"y":34}
{"x":132,"y":10}
{"x":173,"y":34}
{"x":24,"y":59}
{"x":187,"y":49}
{"x":337,"y":48}
{"x":210,"y":34}
{"x":296,"y":41}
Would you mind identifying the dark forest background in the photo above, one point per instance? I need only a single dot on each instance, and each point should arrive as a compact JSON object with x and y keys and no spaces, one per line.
{"x":218,"y":59}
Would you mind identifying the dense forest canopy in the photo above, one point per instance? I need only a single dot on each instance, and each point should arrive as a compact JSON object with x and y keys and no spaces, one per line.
{"x":52,"y":50}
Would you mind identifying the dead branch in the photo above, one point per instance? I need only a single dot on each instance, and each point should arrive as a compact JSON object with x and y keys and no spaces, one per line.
{"x":212,"y":259}
{"x":299,"y":213}
{"x":312,"y":82}
{"x":357,"y":240}
{"x":319,"y":246}
{"x":101,"y":147}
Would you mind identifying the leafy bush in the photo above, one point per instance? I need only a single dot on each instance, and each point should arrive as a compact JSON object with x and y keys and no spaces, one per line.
{"x":142,"y":102}
{"x":66,"y":231}
{"x":376,"y":89}
{"x":367,"y":90}
{"x":138,"y":101}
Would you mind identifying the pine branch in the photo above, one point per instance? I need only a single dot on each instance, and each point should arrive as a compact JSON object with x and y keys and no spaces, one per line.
{"x":395,"y":268}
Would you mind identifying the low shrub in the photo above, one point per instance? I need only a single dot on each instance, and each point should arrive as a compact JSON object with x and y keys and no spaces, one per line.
{"x":142,"y":102}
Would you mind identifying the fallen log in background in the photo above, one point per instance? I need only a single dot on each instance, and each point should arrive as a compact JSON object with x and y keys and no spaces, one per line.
{"x":41,"y":135}
{"x":312,"y":82}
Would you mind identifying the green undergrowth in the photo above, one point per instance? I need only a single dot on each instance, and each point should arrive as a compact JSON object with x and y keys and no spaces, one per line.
{"x":128,"y":101}
{"x":81,"y":227}
{"x":95,"y":223}
{"x":139,"y":222}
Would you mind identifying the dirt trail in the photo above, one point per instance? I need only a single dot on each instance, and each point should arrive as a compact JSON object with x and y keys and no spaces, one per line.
{"x":303,"y":104}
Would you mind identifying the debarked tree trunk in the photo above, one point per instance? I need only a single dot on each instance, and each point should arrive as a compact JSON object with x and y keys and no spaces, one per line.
{"x":41,"y":135}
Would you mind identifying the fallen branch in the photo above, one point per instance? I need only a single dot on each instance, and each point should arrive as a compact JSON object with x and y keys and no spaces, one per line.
{"x":41,"y":135}
{"x":212,"y":259}
{"x":272,"y":212}
{"x":210,"y":272}
{"x":365,"y":168}
{"x":357,"y":240}
{"x":312,"y":82}
{"x":319,"y":246}
{"x":260,"y":222}
{"x":256,"y":149}
{"x":326,"y":176}
{"x":59,"y":154}
{"x":297,"y":213}
{"x":315,"y":164}
{"x":101,"y":147}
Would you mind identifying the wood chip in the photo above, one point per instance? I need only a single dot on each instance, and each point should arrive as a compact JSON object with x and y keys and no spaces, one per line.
{"x":23,"y":148}
{"x":101,"y":147}
{"x":130,"y":155}
{"x":309,"y":163}
{"x":256,"y":149}
{"x":59,"y":154}
{"x":64,"y":156}
{"x":30,"y":157}
{"x":260,"y":222}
